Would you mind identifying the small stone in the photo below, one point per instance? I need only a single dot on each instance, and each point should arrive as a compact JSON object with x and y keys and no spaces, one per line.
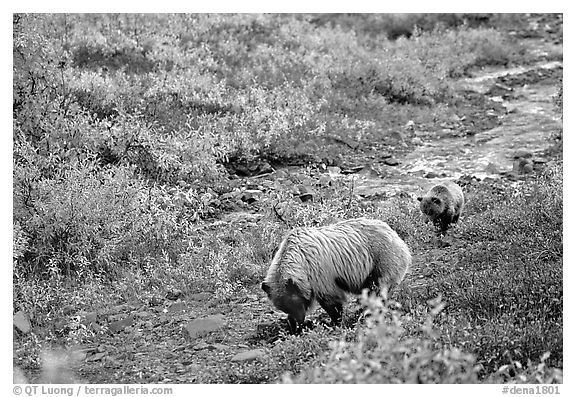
{"x":334,"y":170}
{"x":96,"y":357}
{"x":324,"y":180}
{"x":201,"y":296}
{"x":22,"y":322}
{"x":397,"y":135}
{"x":220,"y":346}
{"x":539,"y":160}
{"x":251,"y":195}
{"x":90,"y":318}
{"x":111,"y":362}
{"x":352,"y":169}
{"x":249,"y":355}
{"x":67,"y":309}
{"x":174,"y":294}
{"x":203,"y":326}
{"x":369,"y":171}
{"x":306,"y":193}
{"x":120,"y":325}
{"x":431,"y":175}
{"x":492,"y":168}
{"x":177,"y":307}
{"x":446,"y":133}
{"x":522,"y":154}
{"x":200,"y":346}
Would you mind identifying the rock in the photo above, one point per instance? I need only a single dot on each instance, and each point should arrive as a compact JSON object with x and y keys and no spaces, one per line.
{"x":90,"y":318}
{"x":417,"y":141}
{"x":201,"y":296}
{"x":203,"y":326}
{"x":306,"y":193}
{"x":249,"y":355}
{"x":200,"y":346}
{"x":143,"y":315}
{"x":431,"y":175}
{"x":410,"y":125}
{"x":96,"y":357}
{"x":177,"y":307}
{"x":383,"y":155}
{"x":22,"y":322}
{"x":117,"y":326}
{"x":174,"y":294}
{"x":539,"y":160}
{"x":369,"y":171}
{"x":492,"y":168}
{"x":324,"y":180}
{"x":334,"y":170}
{"x":251,"y":195}
{"x":68,"y":309}
{"x":251,"y":168}
{"x":352,"y":169}
{"x":391,"y":162}
{"x":446,"y":133}
{"x":397,"y":135}
{"x":111,"y":362}
{"x":522,"y":154}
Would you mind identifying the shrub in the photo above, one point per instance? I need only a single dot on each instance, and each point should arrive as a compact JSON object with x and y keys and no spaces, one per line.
{"x":503,"y":281}
{"x":383,"y":353}
{"x":91,"y":221}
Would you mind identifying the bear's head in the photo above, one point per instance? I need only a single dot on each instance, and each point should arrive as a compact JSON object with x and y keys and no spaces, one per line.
{"x":286,"y":296}
{"x":431,"y":206}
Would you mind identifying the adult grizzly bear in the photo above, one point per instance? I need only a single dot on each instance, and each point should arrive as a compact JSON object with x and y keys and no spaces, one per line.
{"x":443,"y":204}
{"x":324,"y":264}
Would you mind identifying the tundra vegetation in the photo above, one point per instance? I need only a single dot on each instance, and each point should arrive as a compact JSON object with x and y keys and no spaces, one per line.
{"x":142,"y":151}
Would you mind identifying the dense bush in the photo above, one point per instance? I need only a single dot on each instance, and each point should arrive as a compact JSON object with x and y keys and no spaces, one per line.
{"x":383,"y":353}
{"x":247,"y":85}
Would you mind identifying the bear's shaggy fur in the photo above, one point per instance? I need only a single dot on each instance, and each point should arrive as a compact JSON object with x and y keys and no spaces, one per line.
{"x":443,"y":204}
{"x":323,"y":264}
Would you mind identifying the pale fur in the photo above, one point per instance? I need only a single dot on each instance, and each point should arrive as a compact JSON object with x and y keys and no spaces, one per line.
{"x":314,"y":257}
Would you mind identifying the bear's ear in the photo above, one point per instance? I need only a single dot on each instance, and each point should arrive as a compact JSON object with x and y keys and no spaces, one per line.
{"x":266,"y":287}
{"x":419,"y":198}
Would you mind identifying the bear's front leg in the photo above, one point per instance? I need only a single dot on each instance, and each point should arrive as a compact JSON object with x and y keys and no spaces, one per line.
{"x":334,"y":310}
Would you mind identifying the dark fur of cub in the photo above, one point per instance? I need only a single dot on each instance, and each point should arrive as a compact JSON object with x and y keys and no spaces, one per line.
{"x":443,"y":204}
